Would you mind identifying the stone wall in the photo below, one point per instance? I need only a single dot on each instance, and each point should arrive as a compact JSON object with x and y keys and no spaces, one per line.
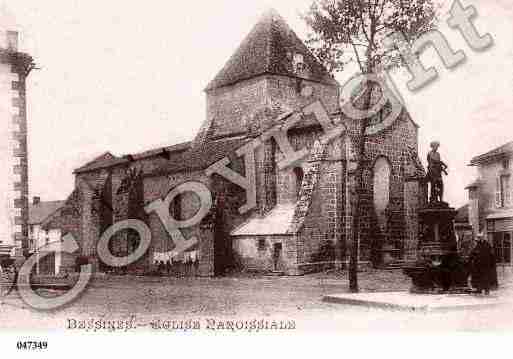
{"x":158,"y":187}
{"x":291,"y":93}
{"x":90,"y":186}
{"x":411,"y":205}
{"x":325,"y":219}
{"x":104,"y":202}
{"x":266,"y":173}
{"x":287,"y":188}
{"x":231,"y":107}
{"x":395,"y":144}
{"x":322,"y":203}
{"x":124,"y":190}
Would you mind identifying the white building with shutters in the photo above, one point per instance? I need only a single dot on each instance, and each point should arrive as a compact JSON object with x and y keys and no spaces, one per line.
{"x":491,"y":199}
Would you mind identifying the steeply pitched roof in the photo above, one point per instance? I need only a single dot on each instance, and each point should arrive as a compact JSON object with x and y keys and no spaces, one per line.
{"x":496,"y":152}
{"x":41,"y":211}
{"x":269,"y":49}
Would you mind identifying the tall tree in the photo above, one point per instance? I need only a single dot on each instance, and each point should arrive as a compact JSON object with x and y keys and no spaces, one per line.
{"x":344,"y":31}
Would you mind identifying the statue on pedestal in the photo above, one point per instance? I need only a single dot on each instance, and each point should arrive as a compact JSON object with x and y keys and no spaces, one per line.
{"x":439,"y":266}
{"x":434,"y":176}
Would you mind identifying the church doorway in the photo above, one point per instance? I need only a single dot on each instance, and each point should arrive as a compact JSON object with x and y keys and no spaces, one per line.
{"x":277,"y":249}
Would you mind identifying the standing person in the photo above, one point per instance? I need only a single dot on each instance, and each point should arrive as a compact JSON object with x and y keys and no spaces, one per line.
{"x":161,"y":268}
{"x":168,"y":266}
{"x":484,"y":271}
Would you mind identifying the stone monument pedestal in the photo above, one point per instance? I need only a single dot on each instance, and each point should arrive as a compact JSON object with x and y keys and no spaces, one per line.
{"x":439,"y":266}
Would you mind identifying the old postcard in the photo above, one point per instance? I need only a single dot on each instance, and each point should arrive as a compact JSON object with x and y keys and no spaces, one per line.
{"x":255,"y":167}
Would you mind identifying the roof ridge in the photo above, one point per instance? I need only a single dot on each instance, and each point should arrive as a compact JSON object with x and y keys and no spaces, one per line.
{"x":268,"y":49}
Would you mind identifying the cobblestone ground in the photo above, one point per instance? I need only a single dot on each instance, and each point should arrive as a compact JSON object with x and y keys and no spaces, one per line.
{"x":245,"y":298}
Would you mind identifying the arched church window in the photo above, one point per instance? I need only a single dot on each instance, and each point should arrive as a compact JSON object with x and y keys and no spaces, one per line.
{"x":298,"y":175}
{"x":381,"y":189}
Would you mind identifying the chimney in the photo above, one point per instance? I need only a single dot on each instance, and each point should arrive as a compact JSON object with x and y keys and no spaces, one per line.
{"x":36,"y":200}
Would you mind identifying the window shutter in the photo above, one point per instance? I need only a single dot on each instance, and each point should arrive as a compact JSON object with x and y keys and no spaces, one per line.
{"x":498,"y":199}
{"x":507,"y":191}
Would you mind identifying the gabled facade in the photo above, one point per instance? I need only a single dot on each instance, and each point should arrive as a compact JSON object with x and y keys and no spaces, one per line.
{"x":491,"y":199}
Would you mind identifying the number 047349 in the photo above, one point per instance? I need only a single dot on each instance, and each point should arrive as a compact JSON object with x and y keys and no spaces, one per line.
{"x":32,"y":345}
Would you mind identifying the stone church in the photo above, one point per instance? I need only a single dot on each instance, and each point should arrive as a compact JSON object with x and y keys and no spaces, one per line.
{"x":303,"y":219}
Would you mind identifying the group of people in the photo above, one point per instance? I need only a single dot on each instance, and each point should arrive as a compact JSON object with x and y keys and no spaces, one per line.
{"x":8,"y":279}
{"x":165,"y":261}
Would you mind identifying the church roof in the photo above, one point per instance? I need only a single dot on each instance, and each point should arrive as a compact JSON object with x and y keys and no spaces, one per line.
{"x":107,"y":159}
{"x":269,"y":49}
{"x":201,"y":157}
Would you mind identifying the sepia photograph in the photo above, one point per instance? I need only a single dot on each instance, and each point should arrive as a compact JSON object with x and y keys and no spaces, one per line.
{"x":255,"y":168}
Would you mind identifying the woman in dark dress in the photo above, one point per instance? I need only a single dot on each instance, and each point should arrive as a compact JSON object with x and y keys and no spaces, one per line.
{"x":484,"y":271}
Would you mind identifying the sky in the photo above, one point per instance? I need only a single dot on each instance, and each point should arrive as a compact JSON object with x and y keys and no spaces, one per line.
{"x":125,"y":76}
